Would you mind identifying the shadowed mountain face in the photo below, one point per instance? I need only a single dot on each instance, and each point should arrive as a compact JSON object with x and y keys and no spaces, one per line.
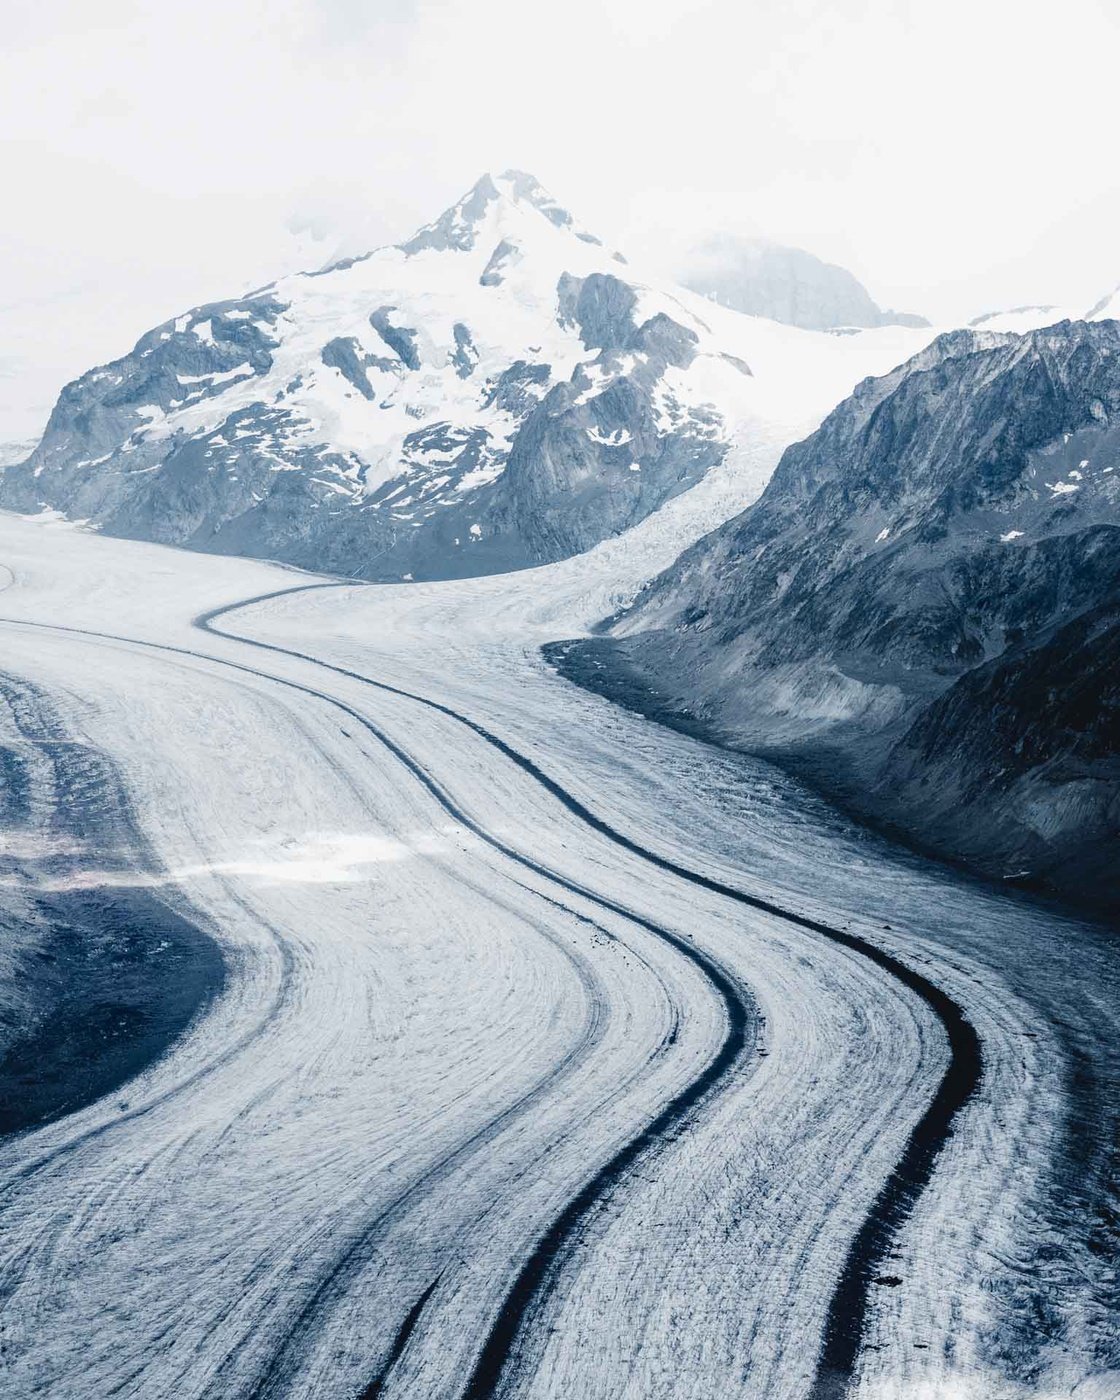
{"x":785,"y":284}
{"x":922,"y":611}
{"x":491,"y":394}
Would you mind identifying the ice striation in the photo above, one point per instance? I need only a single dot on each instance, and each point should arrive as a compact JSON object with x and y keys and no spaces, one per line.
{"x":488,"y":941}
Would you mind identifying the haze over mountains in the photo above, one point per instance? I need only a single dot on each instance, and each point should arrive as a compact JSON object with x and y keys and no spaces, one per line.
{"x":499,"y":390}
{"x":559,"y":760}
{"x":786,"y":284}
{"x":494,"y":392}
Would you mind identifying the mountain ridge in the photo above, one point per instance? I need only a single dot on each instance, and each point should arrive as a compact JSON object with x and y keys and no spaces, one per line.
{"x":400,"y":378}
{"x":915,"y":612}
{"x":495,"y":392}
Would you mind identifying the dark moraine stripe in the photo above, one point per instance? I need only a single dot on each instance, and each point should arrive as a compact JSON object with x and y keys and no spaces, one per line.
{"x":864,"y":1268}
{"x":850,"y":1303}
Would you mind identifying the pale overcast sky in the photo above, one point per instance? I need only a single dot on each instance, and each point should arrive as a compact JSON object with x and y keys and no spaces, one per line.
{"x":957,"y":155}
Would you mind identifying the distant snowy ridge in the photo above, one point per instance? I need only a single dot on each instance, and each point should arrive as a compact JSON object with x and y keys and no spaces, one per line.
{"x":497,"y":391}
{"x":1021,"y":319}
{"x":785,"y":284}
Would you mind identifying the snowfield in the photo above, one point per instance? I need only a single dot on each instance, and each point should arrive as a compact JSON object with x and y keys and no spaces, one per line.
{"x":500,"y":390}
{"x":557,"y":1054}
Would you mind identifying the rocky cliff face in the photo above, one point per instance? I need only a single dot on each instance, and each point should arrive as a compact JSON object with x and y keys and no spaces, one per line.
{"x":493,"y":393}
{"x":922,"y":608}
{"x":784,"y":284}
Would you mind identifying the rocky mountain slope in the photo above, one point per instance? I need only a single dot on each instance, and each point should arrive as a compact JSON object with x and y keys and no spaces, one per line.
{"x":922,"y":611}
{"x":784,"y":284}
{"x":495,"y":392}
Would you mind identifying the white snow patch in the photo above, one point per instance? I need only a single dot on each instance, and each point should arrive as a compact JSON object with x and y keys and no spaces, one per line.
{"x":619,"y":438}
{"x":480,"y":476}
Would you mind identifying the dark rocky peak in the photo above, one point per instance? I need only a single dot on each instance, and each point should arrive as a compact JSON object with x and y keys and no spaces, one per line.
{"x":972,"y":404}
{"x":667,"y":340}
{"x":192,"y":357}
{"x":601,"y":307}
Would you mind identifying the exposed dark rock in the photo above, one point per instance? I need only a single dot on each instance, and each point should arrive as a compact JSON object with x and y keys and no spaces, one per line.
{"x":106,"y":975}
{"x":347,"y":356}
{"x":465,"y":355}
{"x":400,"y":339}
{"x":457,"y":228}
{"x":601,"y":307}
{"x":493,"y":274}
{"x":922,"y":611}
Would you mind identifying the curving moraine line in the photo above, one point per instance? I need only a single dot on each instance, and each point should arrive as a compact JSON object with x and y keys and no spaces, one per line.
{"x":738,"y":1008}
{"x":850,"y":1302}
{"x":283,"y":1365}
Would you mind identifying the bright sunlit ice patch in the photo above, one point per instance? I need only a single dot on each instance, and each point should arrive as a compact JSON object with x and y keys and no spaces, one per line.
{"x":317,"y":858}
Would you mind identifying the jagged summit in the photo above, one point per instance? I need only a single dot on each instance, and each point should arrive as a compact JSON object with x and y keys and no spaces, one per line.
{"x":487,"y":395}
{"x":528,"y":189}
{"x":513,"y":193}
{"x":491,"y":394}
{"x":512,"y":208}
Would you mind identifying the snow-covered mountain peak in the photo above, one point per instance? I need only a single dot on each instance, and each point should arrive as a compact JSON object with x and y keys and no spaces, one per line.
{"x":496,"y":207}
{"x":526,"y":189}
{"x":497,"y":391}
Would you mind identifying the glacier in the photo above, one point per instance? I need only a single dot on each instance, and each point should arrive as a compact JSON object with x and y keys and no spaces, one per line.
{"x":452,"y":1002}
